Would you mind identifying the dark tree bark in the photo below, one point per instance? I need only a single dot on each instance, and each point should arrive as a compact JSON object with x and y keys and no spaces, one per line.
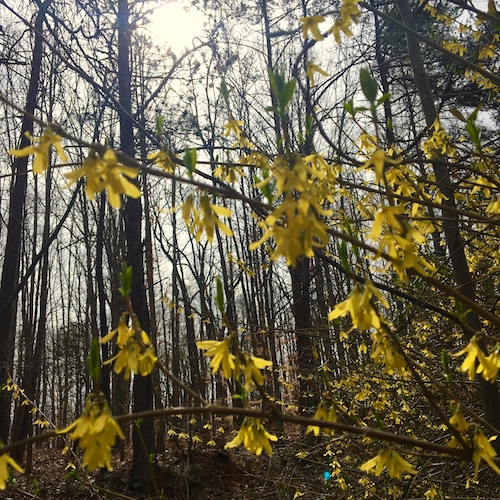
{"x":143,"y":436}
{"x":10,"y":269}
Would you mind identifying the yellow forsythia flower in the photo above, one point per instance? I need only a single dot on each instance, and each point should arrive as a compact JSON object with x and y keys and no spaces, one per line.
{"x":326,"y":413}
{"x":310,"y":23}
{"x":483,"y":450}
{"x":314,"y":68}
{"x":254,"y":437}
{"x":439,"y":143}
{"x":219,"y":352}
{"x":348,"y":13}
{"x":41,"y":150}
{"x":359,"y":306}
{"x":391,"y":460}
{"x":107,"y":173}
{"x":5,"y":461}
{"x":136,"y":354}
{"x":164,"y":159}
{"x":488,"y":366}
{"x":252,"y":366}
{"x":233,"y":126}
{"x":378,"y":160}
{"x":205,"y":218}
{"x":97,"y":430}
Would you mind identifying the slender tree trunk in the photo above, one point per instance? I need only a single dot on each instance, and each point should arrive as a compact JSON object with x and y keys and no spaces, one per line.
{"x":489,"y":391}
{"x":143,"y":437}
{"x":10,"y":267}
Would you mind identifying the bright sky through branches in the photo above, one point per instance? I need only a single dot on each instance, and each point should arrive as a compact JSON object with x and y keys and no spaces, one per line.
{"x":175,"y":24}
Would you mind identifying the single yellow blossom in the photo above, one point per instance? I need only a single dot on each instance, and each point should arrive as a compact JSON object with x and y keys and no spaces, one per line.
{"x":5,"y":461}
{"x":40,"y":148}
{"x":219,"y":352}
{"x":310,"y":24}
{"x":391,"y":460}
{"x":254,"y":437}
{"x":252,"y":366}
{"x":164,"y":159}
{"x":473,"y":351}
{"x":312,"y":69}
{"x":483,"y":450}
{"x":458,"y":421}
{"x":123,"y":330}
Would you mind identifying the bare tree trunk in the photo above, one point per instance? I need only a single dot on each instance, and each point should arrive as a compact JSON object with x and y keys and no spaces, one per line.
{"x":454,"y":241}
{"x":143,"y":437}
{"x":10,"y":268}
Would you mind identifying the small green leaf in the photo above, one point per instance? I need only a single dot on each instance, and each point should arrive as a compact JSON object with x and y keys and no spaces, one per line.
{"x":190,"y":160}
{"x":94,"y":361}
{"x":272,"y":109}
{"x":286,"y":94}
{"x":349,"y":107}
{"x":384,"y":98}
{"x":125,"y":278}
{"x":219,"y":297}
{"x":474,"y":132}
{"x":368,"y":85}
{"x":446,"y":365}
{"x":342,"y":249}
{"x":223,"y":89}
{"x":159,"y":125}
{"x":458,"y":115}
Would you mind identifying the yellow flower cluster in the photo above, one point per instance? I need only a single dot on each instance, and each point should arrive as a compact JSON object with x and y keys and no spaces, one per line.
{"x":295,"y":227}
{"x":205,"y":218}
{"x":219,"y":351}
{"x":439,"y":144}
{"x":348,"y":13}
{"x":97,"y":430}
{"x":455,"y":47}
{"x":136,"y":354}
{"x":235,"y":127}
{"x":40,"y":148}
{"x":488,"y":366}
{"x":254,"y":437}
{"x":391,"y":460}
{"x":5,"y":461}
{"x":106,"y":173}
{"x":359,"y":304}
{"x":326,"y":411}
{"x":398,"y":240}
{"x":383,"y":351}
{"x":164,"y":159}
{"x":228,"y":173}
{"x":378,"y":160}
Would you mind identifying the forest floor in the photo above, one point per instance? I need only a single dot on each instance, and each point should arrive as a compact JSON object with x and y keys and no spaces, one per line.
{"x":205,"y":473}
{"x":202,"y":473}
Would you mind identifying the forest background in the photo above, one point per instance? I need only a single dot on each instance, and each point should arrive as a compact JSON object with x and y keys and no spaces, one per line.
{"x":286,"y":234}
